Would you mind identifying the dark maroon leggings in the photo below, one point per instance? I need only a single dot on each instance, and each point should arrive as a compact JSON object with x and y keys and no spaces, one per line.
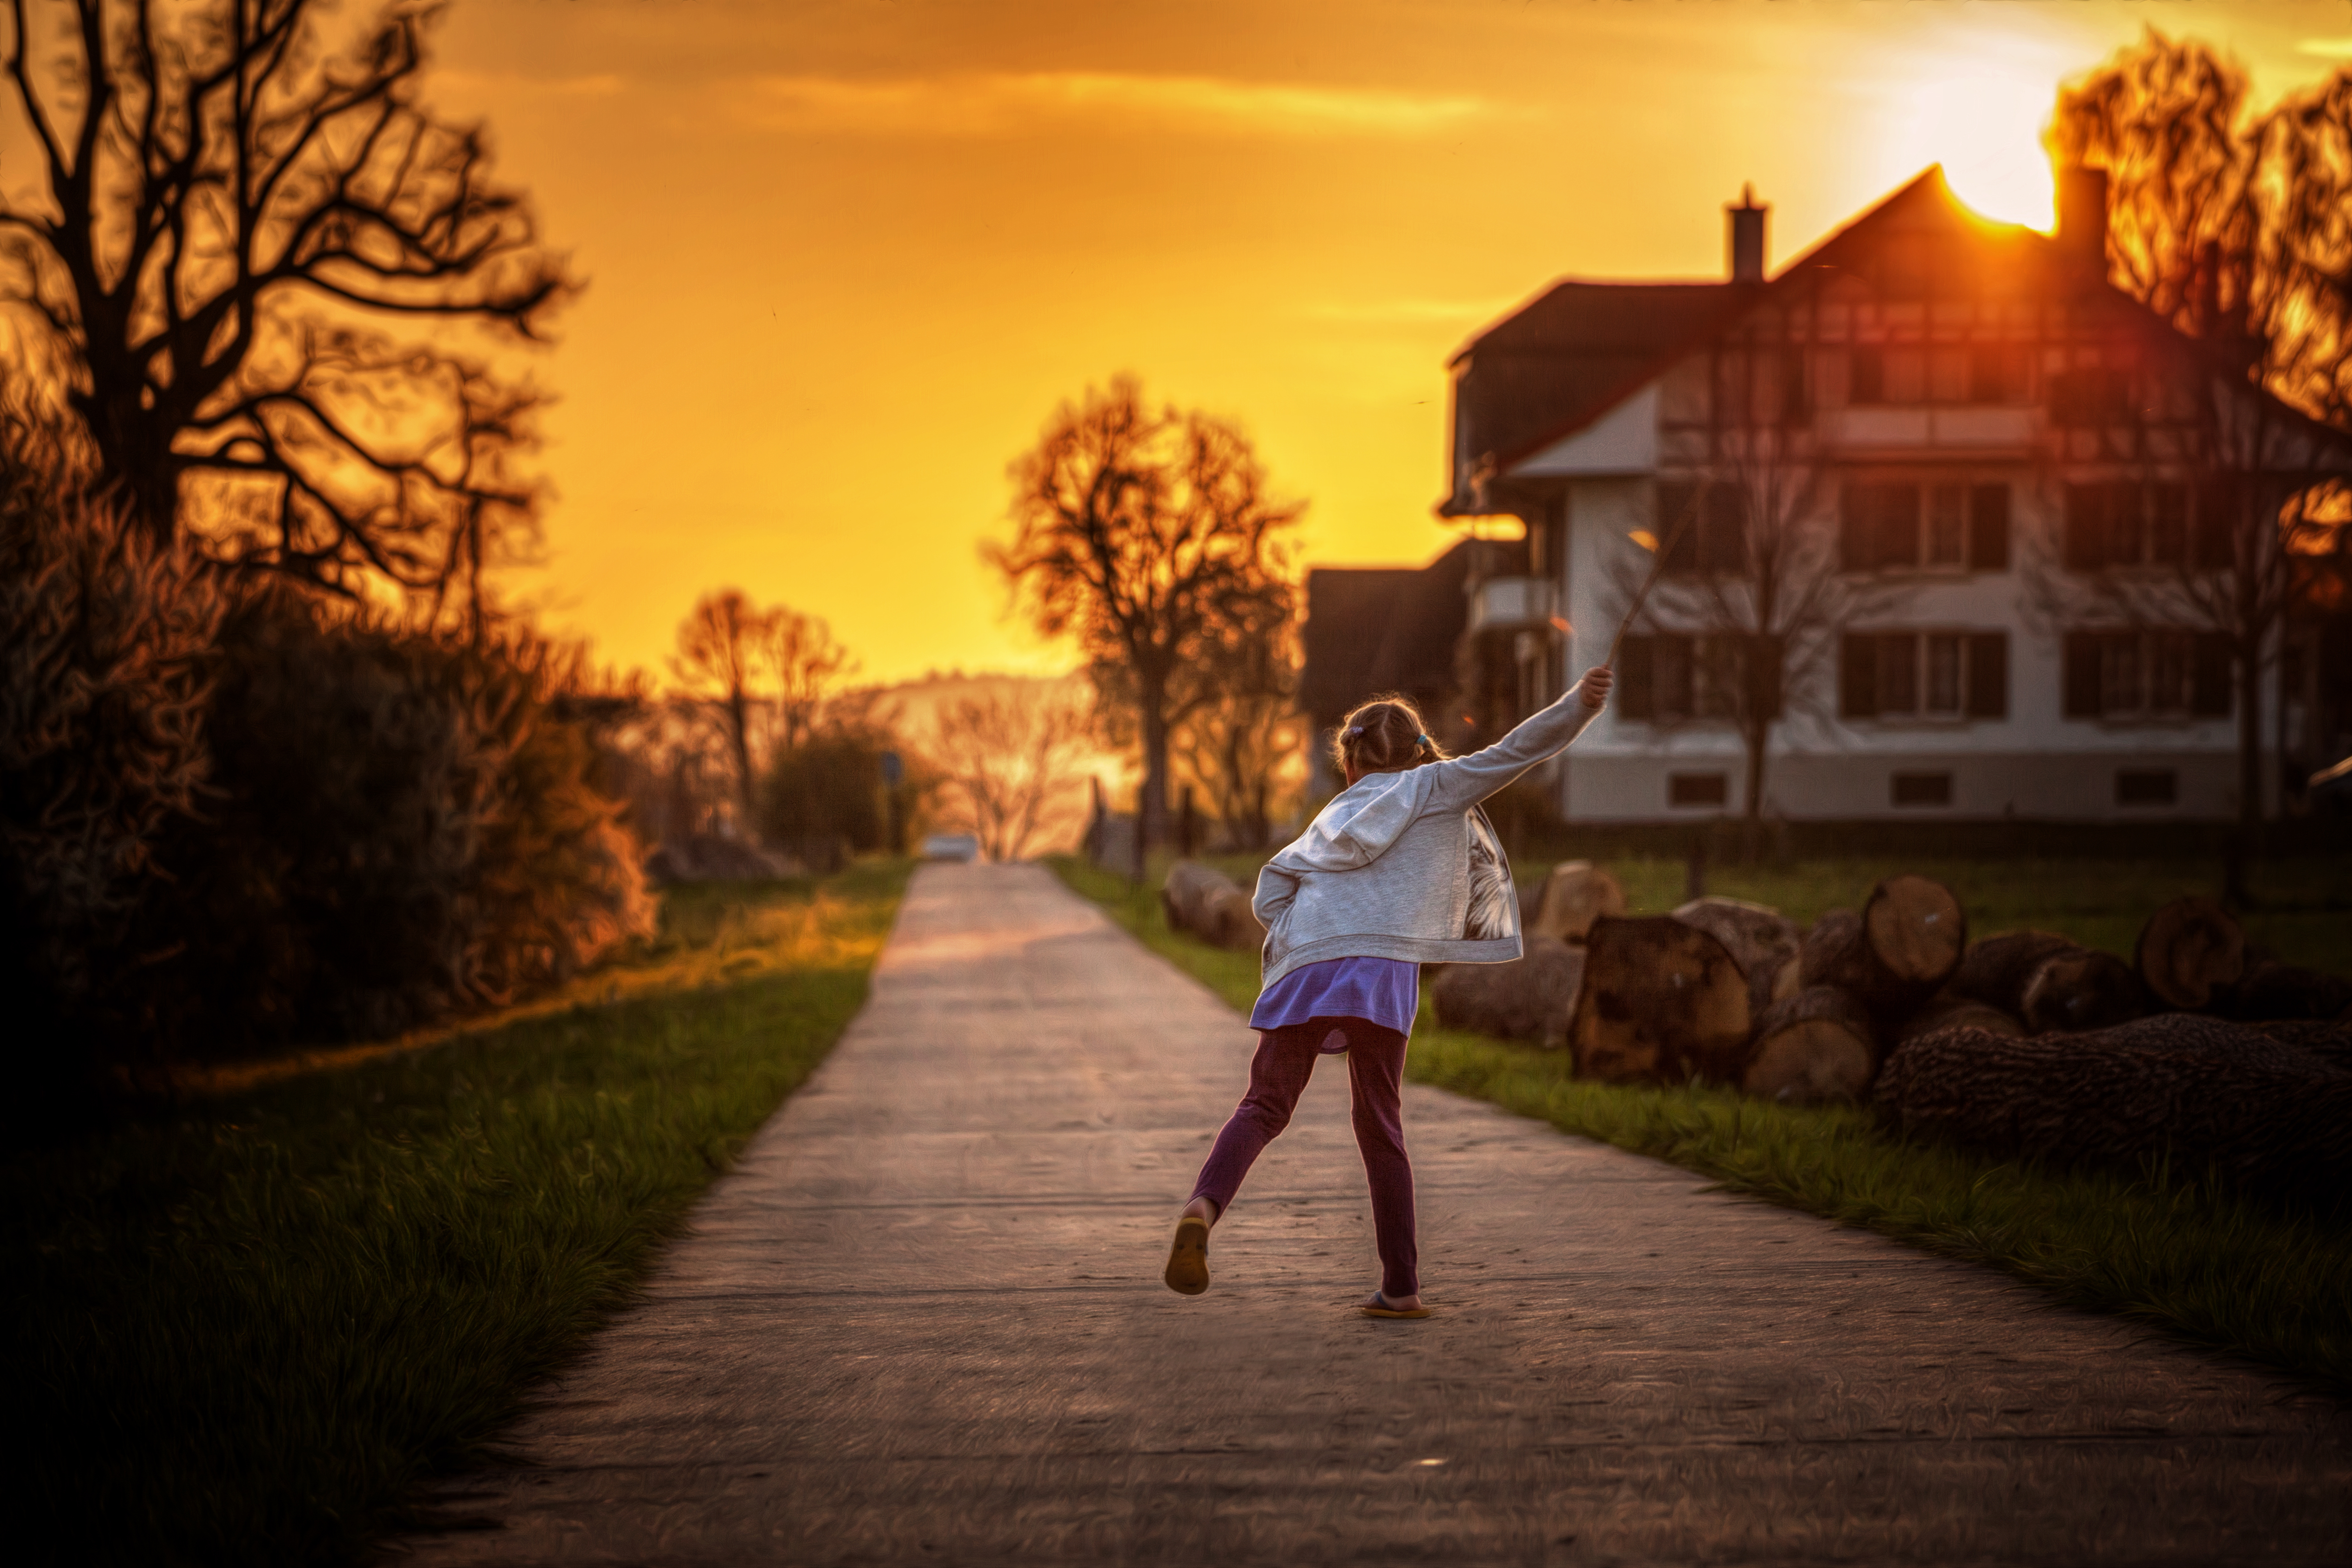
{"x":1279,"y":1074}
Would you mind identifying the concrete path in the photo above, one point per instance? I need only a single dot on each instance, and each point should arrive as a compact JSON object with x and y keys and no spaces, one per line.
{"x":923,"y":1323}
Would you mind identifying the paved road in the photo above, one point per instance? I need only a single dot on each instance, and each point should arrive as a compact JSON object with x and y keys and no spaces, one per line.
{"x":923,"y":1323}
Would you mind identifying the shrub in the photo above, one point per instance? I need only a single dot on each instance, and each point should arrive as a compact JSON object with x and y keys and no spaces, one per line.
{"x":104,"y":638}
{"x":826,"y":799}
{"x":403,"y":828}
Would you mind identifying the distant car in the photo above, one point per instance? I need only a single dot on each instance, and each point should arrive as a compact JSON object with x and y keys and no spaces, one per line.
{"x":951,"y":847}
{"x":2330,"y":790}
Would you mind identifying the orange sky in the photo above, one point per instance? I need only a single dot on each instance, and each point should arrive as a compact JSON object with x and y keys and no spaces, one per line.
{"x":846,"y":256}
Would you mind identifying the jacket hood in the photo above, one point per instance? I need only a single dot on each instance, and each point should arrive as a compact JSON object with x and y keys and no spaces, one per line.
{"x":1360,"y":822}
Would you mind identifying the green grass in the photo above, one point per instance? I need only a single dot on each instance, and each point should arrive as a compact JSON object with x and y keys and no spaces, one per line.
{"x":2100,"y":903}
{"x":240,"y":1330}
{"x":2176,"y":1254}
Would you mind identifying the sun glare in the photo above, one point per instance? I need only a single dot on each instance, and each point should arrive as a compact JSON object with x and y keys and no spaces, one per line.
{"x":1983,"y":124}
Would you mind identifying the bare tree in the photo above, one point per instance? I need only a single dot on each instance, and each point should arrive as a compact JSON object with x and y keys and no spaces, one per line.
{"x":718,"y":656}
{"x":1144,"y":535}
{"x":1013,"y":755}
{"x":1240,"y":742}
{"x":800,"y":652}
{"x":1758,"y":584}
{"x":2234,"y":227}
{"x":252,"y":248}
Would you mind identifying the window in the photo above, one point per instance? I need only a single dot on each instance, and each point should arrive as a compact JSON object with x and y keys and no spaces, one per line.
{"x":2147,"y":674}
{"x":1865,"y":377}
{"x":1696,"y":788}
{"x":1922,"y":788}
{"x":1715,"y":542}
{"x":1949,"y":526}
{"x":1923,"y":674}
{"x":1997,"y":374}
{"x":1670,"y":675}
{"x":2146,"y":786}
{"x":2126,"y":523}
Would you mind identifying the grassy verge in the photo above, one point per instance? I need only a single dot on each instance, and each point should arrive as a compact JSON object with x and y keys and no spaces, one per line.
{"x":241,"y":1329}
{"x":2174,"y":1254}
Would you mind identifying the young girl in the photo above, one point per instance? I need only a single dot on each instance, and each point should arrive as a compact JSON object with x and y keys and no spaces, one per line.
{"x":1402,"y":869}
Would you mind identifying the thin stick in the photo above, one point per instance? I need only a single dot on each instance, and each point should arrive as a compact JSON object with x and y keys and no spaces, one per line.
{"x":1657,"y":565}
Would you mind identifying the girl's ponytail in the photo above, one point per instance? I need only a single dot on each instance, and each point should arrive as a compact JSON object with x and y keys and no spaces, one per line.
{"x":1386,"y":735}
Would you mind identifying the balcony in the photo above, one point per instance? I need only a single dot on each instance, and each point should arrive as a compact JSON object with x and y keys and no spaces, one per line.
{"x":1512,"y":603}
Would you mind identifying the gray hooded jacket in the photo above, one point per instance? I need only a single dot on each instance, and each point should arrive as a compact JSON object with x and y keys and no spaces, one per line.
{"x":1405,"y":865}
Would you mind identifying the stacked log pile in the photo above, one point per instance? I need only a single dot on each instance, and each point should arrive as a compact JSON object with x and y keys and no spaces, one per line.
{"x":1210,"y":905}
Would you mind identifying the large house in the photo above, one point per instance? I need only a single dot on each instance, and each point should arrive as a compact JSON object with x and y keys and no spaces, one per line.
{"x":1982,"y":487}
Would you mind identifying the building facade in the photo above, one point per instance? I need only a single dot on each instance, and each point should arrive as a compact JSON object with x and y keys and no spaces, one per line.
{"x":1942,"y":523}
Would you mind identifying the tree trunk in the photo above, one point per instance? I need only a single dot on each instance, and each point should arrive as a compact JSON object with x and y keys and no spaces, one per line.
{"x":2189,"y":954}
{"x":1815,"y":1045}
{"x":738,"y":723}
{"x":1151,"y":806}
{"x":1662,"y":1002}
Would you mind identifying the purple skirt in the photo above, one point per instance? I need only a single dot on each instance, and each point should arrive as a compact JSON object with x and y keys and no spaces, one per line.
{"x":1385,"y":991}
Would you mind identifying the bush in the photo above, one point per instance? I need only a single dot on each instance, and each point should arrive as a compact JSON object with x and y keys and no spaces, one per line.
{"x":402,"y":828}
{"x":104,"y":644}
{"x":825,"y":797}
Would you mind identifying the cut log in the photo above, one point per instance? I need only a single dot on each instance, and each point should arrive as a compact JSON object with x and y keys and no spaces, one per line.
{"x":1917,"y":931}
{"x":1662,"y":1002}
{"x":2081,"y":988}
{"x":2051,"y":982}
{"x":2275,"y":990}
{"x":1763,"y":941}
{"x":2198,"y":1092}
{"x":1997,"y":969}
{"x":1576,"y":893}
{"x":2189,"y":954}
{"x":1228,"y":920}
{"x":1946,"y":1010}
{"x":2329,"y":1038}
{"x":1814,"y":1046}
{"x":1211,"y":905}
{"x":1906,"y":941}
{"x":1532,"y":997}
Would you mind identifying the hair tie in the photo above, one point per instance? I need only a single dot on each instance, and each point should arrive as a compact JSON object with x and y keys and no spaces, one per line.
{"x":1423,"y":739}
{"x":1356,"y":729}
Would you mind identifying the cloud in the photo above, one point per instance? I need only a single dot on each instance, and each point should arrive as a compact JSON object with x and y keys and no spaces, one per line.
{"x":2327,"y":48}
{"x":1002,"y":104}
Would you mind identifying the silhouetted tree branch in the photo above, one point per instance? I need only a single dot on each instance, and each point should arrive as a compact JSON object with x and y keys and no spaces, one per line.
{"x":247,"y":213}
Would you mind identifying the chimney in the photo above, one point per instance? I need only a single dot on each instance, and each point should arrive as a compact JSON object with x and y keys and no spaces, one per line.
{"x":2082,"y":221}
{"x":1745,"y":237}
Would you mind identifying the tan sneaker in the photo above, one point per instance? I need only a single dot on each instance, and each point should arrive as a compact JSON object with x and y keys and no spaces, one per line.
{"x":1188,"y":1257}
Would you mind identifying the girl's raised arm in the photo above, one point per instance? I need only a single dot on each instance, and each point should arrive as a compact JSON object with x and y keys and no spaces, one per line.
{"x":1463,"y":781}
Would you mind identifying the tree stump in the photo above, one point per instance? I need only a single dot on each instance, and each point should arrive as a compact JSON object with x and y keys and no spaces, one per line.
{"x":2051,"y":982}
{"x":1661,"y":1002}
{"x":2275,"y":990}
{"x":1576,"y":893}
{"x":2196,"y":1091}
{"x":1907,"y":940}
{"x":1816,"y":1045}
{"x":1763,"y":941}
{"x":1532,"y":997}
{"x":2191,"y":954}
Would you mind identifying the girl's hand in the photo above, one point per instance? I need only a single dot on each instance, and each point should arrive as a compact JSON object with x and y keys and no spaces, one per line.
{"x":1593,"y":690}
